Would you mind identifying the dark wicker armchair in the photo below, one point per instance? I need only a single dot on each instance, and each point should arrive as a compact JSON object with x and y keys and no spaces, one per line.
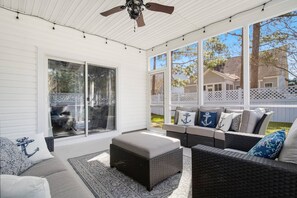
{"x":221,"y":173}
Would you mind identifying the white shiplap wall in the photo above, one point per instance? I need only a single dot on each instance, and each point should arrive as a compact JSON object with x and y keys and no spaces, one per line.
{"x":21,"y":41}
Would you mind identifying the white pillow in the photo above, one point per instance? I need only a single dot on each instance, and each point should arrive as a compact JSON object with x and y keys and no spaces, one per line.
{"x":13,"y":186}
{"x":36,"y":149}
{"x":289,"y":150}
{"x":186,"y":118}
{"x":225,"y":121}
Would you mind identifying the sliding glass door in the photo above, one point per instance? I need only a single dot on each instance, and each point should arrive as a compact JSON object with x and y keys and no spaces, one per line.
{"x":101,"y":99}
{"x":72,"y":87}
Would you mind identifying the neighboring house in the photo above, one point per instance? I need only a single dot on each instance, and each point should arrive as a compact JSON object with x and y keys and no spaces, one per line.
{"x":228,"y":76}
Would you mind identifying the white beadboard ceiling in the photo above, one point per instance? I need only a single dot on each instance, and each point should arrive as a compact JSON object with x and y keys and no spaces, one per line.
{"x":84,"y":15}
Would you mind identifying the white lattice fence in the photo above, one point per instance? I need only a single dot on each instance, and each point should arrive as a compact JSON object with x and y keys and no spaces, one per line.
{"x":66,"y":98}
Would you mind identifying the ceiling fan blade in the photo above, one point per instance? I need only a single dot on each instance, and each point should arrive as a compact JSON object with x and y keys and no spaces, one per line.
{"x":140,"y":21}
{"x":159,"y":8}
{"x":113,"y":10}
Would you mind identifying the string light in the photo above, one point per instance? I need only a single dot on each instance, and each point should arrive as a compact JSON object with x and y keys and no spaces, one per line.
{"x":125,"y":46}
{"x":84,"y":35}
{"x":17,"y":17}
{"x":166,"y":44}
{"x":139,"y":50}
{"x":263,"y":8}
{"x":106,"y":41}
{"x":230,"y":19}
{"x":183,"y":37}
{"x":152,"y":49}
{"x":54,"y":26}
{"x":204,"y":29}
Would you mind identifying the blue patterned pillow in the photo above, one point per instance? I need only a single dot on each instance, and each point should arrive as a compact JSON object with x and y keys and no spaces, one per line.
{"x":269,"y":146}
{"x":208,"y":119}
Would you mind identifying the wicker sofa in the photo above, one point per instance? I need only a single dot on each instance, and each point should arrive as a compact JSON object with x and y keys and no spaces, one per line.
{"x":193,"y":135}
{"x":225,"y":173}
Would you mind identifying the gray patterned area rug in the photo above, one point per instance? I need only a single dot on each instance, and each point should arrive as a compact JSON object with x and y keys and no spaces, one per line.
{"x":104,"y":181}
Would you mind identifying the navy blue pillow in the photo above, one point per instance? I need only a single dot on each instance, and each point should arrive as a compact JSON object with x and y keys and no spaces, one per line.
{"x":208,"y":119}
{"x":269,"y":146}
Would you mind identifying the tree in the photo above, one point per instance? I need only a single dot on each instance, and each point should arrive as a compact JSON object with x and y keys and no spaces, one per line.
{"x":279,"y":34}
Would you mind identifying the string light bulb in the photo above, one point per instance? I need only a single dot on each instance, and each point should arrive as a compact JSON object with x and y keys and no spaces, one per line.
{"x":152,"y":49}
{"x":106,"y":41}
{"x":204,"y":29}
{"x":139,"y":51}
{"x":183,"y":37}
{"x":166,"y":44}
{"x":125,"y":46}
{"x":54,"y":26}
{"x":17,"y":16}
{"x":263,"y":8}
{"x":230,"y":19}
{"x":84,"y":36}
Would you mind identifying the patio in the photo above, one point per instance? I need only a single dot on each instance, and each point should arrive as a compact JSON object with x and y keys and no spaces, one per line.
{"x":75,"y":72}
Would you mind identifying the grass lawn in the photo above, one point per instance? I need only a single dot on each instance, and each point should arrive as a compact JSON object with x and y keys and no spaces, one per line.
{"x":158,"y":120}
{"x":274,"y":126}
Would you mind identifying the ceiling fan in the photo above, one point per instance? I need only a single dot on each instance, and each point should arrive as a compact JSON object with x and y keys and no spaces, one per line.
{"x":135,"y":8}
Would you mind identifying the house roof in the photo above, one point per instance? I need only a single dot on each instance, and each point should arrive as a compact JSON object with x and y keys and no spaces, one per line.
{"x":84,"y":15}
{"x":224,"y":75}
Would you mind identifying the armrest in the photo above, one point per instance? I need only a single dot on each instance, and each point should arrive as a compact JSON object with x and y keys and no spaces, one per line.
{"x":241,"y":141}
{"x":50,"y":143}
{"x":220,"y":173}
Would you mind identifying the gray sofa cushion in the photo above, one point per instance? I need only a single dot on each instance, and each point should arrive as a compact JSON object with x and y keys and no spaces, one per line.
{"x":174,"y":128}
{"x":63,"y":185}
{"x":249,"y":120}
{"x":146,"y":144}
{"x":289,"y":150}
{"x":190,"y":109}
{"x":12,"y":160}
{"x":219,"y":110}
{"x":45,"y":168}
{"x":219,"y":135}
{"x":201,"y":131}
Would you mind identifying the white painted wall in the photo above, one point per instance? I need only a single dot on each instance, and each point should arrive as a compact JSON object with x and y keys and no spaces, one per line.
{"x":20,"y":43}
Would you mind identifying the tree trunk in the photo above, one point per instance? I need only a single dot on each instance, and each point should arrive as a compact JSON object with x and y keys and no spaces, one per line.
{"x":255,"y":56}
{"x":154,"y":77}
{"x":241,"y":69}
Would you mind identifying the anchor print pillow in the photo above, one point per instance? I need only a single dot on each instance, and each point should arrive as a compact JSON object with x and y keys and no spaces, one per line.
{"x":208,"y":119}
{"x":34,"y":147}
{"x":225,"y":121}
{"x":186,"y":118}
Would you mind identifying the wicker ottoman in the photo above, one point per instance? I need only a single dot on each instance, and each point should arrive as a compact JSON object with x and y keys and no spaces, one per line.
{"x":148,"y":159}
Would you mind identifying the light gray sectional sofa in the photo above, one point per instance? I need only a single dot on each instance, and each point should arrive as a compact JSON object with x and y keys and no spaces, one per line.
{"x":61,"y":182}
{"x":250,"y":122}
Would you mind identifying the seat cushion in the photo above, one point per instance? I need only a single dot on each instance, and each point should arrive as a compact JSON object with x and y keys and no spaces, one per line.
{"x":45,"y":168}
{"x":63,"y":185}
{"x":202,"y":131}
{"x":174,"y":128}
{"x":289,"y":150}
{"x":219,"y":135}
{"x":146,"y":144}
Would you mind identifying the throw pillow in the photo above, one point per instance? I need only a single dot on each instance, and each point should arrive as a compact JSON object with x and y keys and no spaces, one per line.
{"x":225,"y":122}
{"x":34,"y":147}
{"x":186,"y":118}
{"x":236,"y":119}
{"x":269,"y":146}
{"x":24,"y":187}
{"x":12,"y":160}
{"x":208,"y":119}
{"x":289,"y":151}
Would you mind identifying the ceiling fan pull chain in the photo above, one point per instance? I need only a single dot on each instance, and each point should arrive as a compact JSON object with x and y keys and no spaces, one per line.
{"x":134,"y":26}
